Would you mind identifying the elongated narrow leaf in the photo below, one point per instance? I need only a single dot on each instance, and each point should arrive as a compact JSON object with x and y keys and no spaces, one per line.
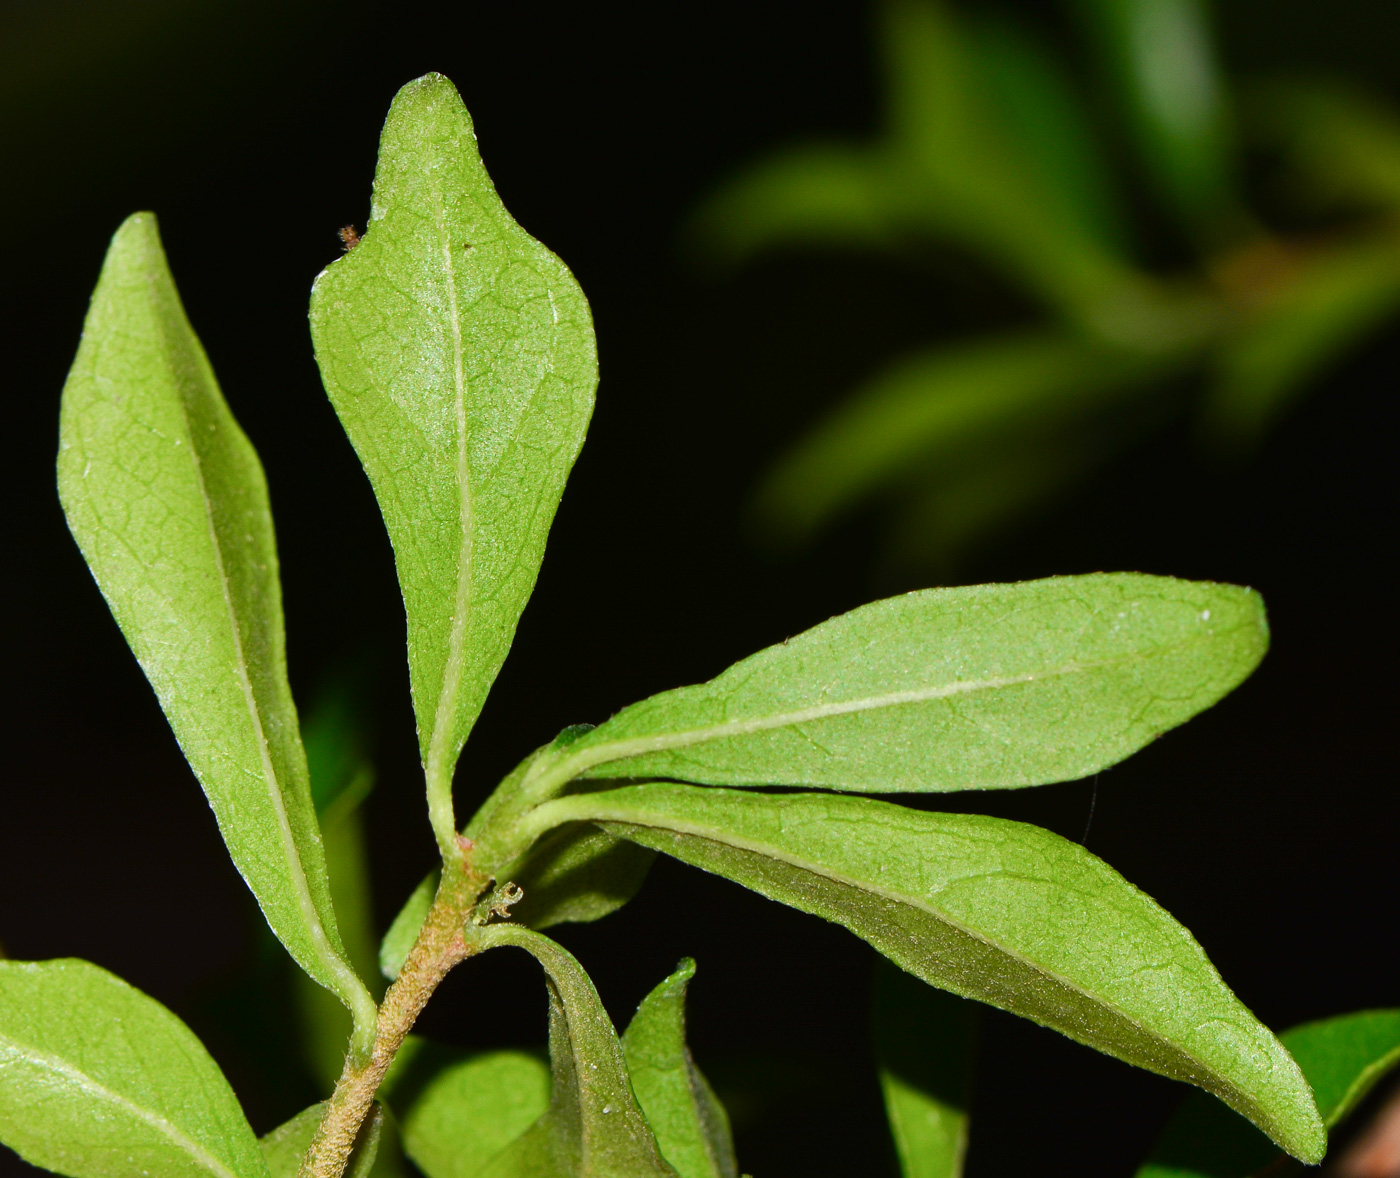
{"x":929,"y":409}
{"x":999,"y":911}
{"x":460,"y":1111}
{"x":1343,"y":1058}
{"x":284,"y":1147}
{"x":816,"y":195}
{"x":99,"y":1081}
{"x":986,"y":687}
{"x":949,"y":166}
{"x":167,"y":500}
{"x":1159,"y":58}
{"x":593,"y":1128}
{"x":924,"y":1047}
{"x":977,"y":178}
{"x":1052,"y":128}
{"x":690,"y":1124}
{"x":459,"y":354}
{"x":403,"y":932}
{"x":1336,"y":300}
{"x":1343,"y":144}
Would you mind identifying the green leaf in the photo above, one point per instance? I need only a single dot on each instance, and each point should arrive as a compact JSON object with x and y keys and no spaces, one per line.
{"x":593,"y":1128}
{"x":1160,"y":62}
{"x":1335,"y":300}
{"x":815,"y":195}
{"x":929,"y":410}
{"x":999,"y":911}
{"x":976,"y":176}
{"x":690,"y":1124}
{"x":284,"y":1148}
{"x":985,"y":687}
{"x":1051,"y":127}
{"x":924,"y":1047}
{"x":459,"y":354}
{"x":1344,"y":145}
{"x":1343,"y":1059}
{"x":578,"y":874}
{"x":99,"y":1081}
{"x":950,"y":166}
{"x":468,"y":1108}
{"x":398,"y":941}
{"x":167,"y":500}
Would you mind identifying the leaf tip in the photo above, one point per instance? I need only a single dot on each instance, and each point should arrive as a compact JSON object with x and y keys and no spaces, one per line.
{"x":426,"y":90}
{"x":138,"y":234}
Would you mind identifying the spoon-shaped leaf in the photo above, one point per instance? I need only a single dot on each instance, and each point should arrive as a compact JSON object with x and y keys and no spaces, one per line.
{"x":593,"y":1128}
{"x":999,"y":911}
{"x":167,"y":500}
{"x":985,"y":687}
{"x":924,"y":1046}
{"x":690,"y":1124}
{"x":1343,"y":1058}
{"x":99,"y":1081}
{"x":459,"y":354}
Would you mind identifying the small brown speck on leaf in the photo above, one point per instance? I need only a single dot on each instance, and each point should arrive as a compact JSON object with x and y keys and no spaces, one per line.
{"x":349,"y":237}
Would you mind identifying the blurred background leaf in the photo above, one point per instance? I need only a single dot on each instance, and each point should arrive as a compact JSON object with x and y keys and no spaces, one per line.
{"x":989,"y":148}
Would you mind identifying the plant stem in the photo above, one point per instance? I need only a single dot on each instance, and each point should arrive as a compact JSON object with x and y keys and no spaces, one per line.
{"x":441,"y":945}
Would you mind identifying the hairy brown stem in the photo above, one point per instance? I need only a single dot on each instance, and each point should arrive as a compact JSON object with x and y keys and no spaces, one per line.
{"x":439,"y":947}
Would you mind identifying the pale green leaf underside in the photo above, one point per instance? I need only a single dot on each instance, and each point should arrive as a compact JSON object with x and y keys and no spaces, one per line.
{"x":99,"y":1081}
{"x":999,"y":911}
{"x":471,"y":1109}
{"x":167,"y":500}
{"x":593,"y":1128}
{"x":924,"y":1049}
{"x":984,"y":687}
{"x":1343,"y":1059}
{"x":690,"y":1124}
{"x":459,"y":354}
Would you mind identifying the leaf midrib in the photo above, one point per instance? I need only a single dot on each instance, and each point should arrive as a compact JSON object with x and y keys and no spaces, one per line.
{"x":441,"y":757}
{"x":709,"y":834}
{"x":625,"y":749}
{"x":29,"y":1054}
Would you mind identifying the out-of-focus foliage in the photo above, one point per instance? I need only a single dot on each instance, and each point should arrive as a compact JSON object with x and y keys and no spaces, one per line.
{"x":992,"y":146}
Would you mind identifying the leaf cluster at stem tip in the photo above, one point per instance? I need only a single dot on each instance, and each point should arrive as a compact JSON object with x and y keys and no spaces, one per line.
{"x":459,"y":355}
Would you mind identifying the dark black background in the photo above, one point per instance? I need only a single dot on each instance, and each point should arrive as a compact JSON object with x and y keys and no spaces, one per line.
{"x":1268,"y":826}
